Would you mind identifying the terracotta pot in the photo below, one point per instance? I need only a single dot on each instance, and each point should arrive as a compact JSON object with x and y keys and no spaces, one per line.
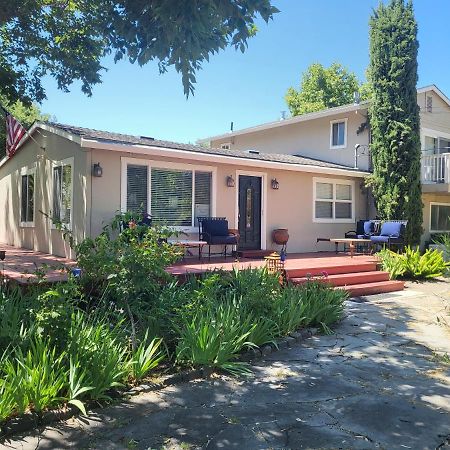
{"x":280,"y":236}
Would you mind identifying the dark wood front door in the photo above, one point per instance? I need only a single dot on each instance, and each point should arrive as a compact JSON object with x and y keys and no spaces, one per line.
{"x":249,"y":212}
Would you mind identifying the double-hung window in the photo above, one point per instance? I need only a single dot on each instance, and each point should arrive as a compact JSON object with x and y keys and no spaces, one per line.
{"x":174,"y":195}
{"x":62,"y":191}
{"x":338,"y":133}
{"x":333,"y":201}
{"x":439,"y":217}
{"x":27,"y":198}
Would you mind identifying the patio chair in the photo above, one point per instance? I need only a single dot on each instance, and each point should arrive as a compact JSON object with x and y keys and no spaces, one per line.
{"x":364,"y":230}
{"x":392,"y":233}
{"x":215,"y":231}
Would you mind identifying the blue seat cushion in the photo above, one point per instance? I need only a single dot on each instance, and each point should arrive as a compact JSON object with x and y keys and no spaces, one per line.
{"x":391,"y":229}
{"x":380,"y":239}
{"x":216,"y":227}
{"x":369,"y":227}
{"x":228,"y":240}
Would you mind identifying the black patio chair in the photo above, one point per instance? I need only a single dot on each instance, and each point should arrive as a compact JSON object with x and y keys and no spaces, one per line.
{"x":215,"y":231}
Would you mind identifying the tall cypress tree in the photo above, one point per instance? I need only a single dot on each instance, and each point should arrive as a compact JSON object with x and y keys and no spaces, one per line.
{"x":394,"y":116}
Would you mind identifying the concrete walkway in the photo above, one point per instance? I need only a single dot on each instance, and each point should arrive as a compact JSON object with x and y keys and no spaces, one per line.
{"x":379,"y":382}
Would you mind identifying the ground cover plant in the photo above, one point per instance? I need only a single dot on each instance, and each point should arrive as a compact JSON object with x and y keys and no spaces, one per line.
{"x":83,"y":341}
{"x":413,"y":264}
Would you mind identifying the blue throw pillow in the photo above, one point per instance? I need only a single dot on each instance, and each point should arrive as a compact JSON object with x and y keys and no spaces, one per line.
{"x":368,"y":227}
{"x":216,"y":227}
{"x":392,"y":229}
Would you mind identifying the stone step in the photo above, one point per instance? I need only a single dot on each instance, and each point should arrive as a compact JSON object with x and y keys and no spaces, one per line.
{"x":347,"y":279}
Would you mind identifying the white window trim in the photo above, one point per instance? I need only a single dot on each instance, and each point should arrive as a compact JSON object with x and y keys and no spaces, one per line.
{"x":225,"y":145}
{"x":167,"y":165}
{"x":263,"y":176}
{"x":332,"y":122}
{"x":437,"y":204}
{"x":27,"y":171}
{"x":63,"y":162}
{"x":333,"y":181}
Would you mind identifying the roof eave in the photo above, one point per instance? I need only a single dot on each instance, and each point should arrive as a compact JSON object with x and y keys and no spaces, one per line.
{"x":208,"y":157}
{"x":293,"y":120}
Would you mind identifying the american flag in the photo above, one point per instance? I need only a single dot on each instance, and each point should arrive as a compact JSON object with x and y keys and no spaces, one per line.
{"x":14,"y":133}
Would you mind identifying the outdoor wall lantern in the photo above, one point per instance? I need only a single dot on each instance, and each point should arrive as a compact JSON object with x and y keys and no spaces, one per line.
{"x":275,"y":184}
{"x":230,"y":181}
{"x":97,"y":170}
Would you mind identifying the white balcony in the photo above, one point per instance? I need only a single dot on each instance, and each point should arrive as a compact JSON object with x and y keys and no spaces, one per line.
{"x":435,"y":174}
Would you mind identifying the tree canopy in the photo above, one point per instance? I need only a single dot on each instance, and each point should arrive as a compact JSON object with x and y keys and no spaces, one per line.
{"x":394,"y":116}
{"x":68,"y":38}
{"x":324,"y":87}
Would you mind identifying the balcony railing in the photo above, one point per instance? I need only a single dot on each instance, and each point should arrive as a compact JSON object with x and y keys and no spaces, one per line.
{"x":436,"y":168}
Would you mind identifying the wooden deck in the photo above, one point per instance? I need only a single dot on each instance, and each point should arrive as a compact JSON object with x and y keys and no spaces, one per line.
{"x":23,"y":266}
{"x":358,"y":275}
{"x":312,"y":262}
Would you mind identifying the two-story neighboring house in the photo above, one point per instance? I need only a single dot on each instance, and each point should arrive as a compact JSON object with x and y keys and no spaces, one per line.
{"x":341,"y":135}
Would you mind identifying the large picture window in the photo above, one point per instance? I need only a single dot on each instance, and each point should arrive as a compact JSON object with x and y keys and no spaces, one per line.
{"x":333,"y":200}
{"x":440,"y":217}
{"x":62,"y":192}
{"x":174,"y":196}
{"x":27,"y":199}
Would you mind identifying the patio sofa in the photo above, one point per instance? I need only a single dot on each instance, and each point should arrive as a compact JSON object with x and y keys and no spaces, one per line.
{"x":215,"y":231}
{"x":392,"y":233}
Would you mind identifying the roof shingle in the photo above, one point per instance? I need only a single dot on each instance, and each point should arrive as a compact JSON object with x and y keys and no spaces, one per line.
{"x":109,"y":137}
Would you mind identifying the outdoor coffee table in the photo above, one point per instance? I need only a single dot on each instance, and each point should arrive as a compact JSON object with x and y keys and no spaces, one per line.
{"x":349,"y":241}
{"x":186,"y":244}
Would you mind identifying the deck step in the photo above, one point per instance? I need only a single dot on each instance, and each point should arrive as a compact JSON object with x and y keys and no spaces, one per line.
{"x":253,"y":253}
{"x":348,"y":268}
{"x":379,"y":287}
{"x":348,"y":279}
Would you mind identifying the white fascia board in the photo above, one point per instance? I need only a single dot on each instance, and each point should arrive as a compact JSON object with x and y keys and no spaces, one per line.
{"x":211,"y":158}
{"x":280,"y":123}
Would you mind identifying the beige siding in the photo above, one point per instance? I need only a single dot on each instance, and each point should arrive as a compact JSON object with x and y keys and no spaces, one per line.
{"x":289,"y":207}
{"x":42,"y":237}
{"x":439,"y":118}
{"x":427,"y":200}
{"x":310,"y":139}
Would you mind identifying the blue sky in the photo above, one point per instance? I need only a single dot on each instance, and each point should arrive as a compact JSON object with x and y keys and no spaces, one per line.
{"x":248,"y":88}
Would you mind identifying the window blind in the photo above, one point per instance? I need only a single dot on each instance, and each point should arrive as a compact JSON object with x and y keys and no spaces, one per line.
{"x":202,"y":204}
{"x":171,"y":197}
{"x":137,"y":188}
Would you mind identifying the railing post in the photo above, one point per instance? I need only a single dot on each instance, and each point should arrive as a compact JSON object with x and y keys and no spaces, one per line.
{"x":447,"y":168}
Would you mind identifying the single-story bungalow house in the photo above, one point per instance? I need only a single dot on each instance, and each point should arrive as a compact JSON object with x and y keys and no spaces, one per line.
{"x":83,"y":177}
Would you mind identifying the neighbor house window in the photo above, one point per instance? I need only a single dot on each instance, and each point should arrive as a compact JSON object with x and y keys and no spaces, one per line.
{"x":333,"y":200}
{"x":173,"y":196}
{"x":440,"y":217}
{"x":62,"y":192}
{"x":338,"y":133}
{"x":27,"y":199}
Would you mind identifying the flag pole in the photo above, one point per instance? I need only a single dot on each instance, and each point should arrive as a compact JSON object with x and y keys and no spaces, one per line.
{"x":5,"y":111}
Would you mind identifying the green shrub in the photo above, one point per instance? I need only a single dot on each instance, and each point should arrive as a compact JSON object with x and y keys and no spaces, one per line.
{"x":322,"y":305}
{"x":289,"y":310}
{"x":413,"y":264}
{"x":100,"y":352}
{"x":35,"y":378}
{"x":146,"y":357}
{"x":214,"y":337}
